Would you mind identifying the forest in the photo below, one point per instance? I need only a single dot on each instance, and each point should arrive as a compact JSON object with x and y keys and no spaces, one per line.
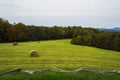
{"x":79,"y":36}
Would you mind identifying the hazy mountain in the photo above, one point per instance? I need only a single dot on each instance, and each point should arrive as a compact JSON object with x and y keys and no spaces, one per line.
{"x":115,"y":29}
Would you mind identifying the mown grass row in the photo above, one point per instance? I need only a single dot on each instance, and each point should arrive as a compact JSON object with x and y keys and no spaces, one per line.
{"x":56,"y":53}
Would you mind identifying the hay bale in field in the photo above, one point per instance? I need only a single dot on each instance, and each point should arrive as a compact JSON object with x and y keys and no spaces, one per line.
{"x":34,"y":53}
{"x":15,"y":43}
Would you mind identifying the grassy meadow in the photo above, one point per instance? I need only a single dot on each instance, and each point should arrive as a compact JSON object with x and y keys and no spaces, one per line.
{"x":56,"y":53}
{"x":60,"y":76}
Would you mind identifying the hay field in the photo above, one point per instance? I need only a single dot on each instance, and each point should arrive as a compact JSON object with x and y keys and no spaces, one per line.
{"x":56,"y":53}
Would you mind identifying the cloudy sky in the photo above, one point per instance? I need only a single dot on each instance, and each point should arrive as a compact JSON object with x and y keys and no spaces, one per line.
{"x":88,"y":13}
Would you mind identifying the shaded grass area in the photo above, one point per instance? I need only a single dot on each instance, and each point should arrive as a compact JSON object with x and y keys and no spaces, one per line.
{"x":56,"y":53}
{"x":60,"y":76}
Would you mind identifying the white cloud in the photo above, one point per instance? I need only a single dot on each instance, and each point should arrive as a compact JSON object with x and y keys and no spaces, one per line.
{"x":65,"y":7}
{"x":81,"y":8}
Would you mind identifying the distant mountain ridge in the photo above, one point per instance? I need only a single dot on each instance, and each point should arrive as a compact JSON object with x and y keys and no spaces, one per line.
{"x":115,"y":29}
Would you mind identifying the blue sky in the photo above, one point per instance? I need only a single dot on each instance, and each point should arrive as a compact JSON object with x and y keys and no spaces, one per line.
{"x":88,"y":13}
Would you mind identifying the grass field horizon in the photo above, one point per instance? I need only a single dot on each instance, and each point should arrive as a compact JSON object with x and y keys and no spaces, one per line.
{"x":56,"y":53}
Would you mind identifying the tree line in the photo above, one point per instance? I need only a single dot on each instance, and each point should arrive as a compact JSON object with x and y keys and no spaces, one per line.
{"x":79,"y":36}
{"x":96,"y":38}
{"x":20,"y":32}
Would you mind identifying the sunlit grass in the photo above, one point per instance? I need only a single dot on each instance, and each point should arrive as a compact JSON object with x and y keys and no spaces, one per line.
{"x":57,"y":53}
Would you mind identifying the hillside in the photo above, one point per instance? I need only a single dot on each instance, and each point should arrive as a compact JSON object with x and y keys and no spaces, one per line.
{"x":57,"y":53}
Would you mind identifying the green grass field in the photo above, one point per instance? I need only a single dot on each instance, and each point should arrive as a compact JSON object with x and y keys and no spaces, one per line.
{"x":60,"y":76}
{"x":57,"y":53}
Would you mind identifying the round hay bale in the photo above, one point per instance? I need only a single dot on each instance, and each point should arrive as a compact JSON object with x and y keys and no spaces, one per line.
{"x":33,"y":53}
{"x":15,"y":43}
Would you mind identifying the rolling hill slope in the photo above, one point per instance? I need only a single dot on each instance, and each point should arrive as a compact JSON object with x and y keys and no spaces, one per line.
{"x":57,"y":53}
